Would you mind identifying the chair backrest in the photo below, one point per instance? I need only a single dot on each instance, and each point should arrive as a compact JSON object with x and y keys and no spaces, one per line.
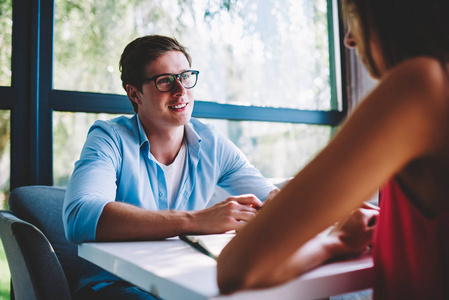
{"x":35,"y":270}
{"x":42,"y":206}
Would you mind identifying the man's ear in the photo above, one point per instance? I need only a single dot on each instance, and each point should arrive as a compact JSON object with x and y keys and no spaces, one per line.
{"x":133,"y":93}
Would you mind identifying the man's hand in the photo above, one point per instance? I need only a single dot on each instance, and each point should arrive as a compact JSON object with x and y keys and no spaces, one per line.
{"x":354,"y":233}
{"x":230,"y":214}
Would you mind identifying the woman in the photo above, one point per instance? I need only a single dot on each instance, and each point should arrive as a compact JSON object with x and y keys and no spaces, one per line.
{"x":397,"y":139}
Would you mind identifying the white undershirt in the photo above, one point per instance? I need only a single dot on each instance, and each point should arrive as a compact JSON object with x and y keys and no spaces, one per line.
{"x":173,"y":174}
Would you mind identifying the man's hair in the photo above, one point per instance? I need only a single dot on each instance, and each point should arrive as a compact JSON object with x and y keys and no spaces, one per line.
{"x":142,"y":51}
{"x":405,"y":28}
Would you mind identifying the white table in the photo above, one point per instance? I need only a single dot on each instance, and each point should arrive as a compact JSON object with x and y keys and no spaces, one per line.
{"x":174,"y":270}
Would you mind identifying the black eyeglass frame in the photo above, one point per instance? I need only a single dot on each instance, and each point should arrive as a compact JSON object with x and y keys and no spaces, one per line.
{"x":177,"y":76}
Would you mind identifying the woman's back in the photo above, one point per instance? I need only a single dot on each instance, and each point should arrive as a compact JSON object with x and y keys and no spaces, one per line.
{"x":411,"y":244}
{"x":425,"y":179}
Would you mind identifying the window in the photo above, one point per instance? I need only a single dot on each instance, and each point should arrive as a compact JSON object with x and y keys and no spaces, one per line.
{"x":265,"y":53}
{"x":4,"y":191}
{"x":5,"y":80}
{"x":253,"y":57}
{"x":5,"y":117}
{"x":278,"y":150}
{"x":69,"y":134}
{"x":5,"y":150}
{"x":5,"y":42}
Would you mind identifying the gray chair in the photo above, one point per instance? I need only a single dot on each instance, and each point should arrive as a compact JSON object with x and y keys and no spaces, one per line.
{"x":43,"y":264}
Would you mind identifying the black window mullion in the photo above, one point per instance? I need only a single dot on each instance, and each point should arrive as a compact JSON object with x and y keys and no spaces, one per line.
{"x":43,"y":111}
{"x":20,"y":67}
{"x":117,"y":104}
{"x":31,"y":125}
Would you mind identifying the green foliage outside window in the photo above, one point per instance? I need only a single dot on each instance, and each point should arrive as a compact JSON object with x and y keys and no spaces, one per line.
{"x":5,"y":42}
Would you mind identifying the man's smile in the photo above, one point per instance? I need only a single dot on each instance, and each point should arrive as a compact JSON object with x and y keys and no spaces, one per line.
{"x":178,"y":106}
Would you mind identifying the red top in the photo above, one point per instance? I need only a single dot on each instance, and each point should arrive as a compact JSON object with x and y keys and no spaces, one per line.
{"x":411,"y":249}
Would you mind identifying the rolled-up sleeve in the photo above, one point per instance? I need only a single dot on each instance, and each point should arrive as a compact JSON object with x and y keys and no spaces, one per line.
{"x":92,"y":184}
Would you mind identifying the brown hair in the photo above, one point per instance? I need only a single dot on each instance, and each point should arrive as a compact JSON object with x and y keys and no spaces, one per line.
{"x":142,"y":51}
{"x":405,"y":28}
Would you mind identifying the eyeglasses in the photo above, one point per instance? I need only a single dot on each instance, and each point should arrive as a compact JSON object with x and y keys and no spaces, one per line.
{"x":166,"y":82}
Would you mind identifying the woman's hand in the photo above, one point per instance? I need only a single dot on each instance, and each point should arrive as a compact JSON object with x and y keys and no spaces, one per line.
{"x":270,"y":197}
{"x":355,"y":232}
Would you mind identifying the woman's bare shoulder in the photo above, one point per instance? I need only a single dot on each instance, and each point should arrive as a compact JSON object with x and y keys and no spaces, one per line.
{"x":422,"y":72}
{"x":423,"y":63}
{"x":423,"y":81}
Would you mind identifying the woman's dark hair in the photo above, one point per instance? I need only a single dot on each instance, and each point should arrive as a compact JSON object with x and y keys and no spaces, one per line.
{"x":405,"y":28}
{"x":142,"y":51}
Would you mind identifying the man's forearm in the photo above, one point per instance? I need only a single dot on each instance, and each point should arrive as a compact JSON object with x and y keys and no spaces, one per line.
{"x":122,"y":221}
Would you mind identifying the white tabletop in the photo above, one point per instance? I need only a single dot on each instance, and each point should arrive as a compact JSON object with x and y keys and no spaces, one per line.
{"x":174,"y":270}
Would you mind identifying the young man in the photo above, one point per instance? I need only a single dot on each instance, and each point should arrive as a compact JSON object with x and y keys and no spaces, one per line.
{"x":151,"y":176}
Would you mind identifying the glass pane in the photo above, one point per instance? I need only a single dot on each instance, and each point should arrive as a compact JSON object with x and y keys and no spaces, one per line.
{"x":5,"y":42}
{"x":278,"y":150}
{"x":69,"y":134}
{"x":5,"y":150}
{"x":5,"y":155}
{"x":264,"y":53}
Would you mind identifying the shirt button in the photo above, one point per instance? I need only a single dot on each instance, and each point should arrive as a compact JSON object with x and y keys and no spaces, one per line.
{"x":161,"y":194}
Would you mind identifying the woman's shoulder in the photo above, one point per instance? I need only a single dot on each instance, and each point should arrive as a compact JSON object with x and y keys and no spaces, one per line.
{"x":421,"y":63}
{"x":424,"y":71}
{"x":423,"y":78}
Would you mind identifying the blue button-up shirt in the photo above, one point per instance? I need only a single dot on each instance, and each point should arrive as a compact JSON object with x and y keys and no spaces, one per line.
{"x":116,"y":165}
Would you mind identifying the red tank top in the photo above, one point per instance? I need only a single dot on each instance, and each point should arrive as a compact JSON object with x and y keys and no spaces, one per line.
{"x":411,"y":258}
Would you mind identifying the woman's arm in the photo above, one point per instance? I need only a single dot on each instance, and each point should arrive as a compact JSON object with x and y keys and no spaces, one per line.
{"x":350,"y":237}
{"x":399,"y":121}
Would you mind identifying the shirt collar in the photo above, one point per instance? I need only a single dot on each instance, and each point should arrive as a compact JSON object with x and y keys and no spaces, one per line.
{"x":142,"y":136}
{"x":192,"y":137}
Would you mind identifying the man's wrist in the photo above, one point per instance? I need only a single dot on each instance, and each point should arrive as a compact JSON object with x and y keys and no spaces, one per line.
{"x":188,"y":222}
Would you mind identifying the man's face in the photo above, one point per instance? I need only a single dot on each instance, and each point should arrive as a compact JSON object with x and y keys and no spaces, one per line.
{"x":163,"y":111}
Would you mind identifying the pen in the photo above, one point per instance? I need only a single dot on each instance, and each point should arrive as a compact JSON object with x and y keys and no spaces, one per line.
{"x":197,"y":244}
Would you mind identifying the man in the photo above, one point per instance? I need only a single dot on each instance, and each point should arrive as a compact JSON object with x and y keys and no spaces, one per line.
{"x":151,"y":176}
